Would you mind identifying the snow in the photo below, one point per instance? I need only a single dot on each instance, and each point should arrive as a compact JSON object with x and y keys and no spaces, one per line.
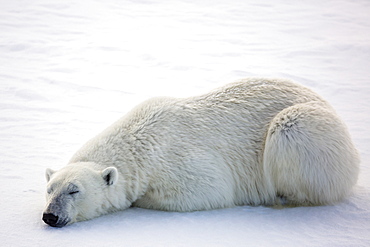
{"x":70,"y":68}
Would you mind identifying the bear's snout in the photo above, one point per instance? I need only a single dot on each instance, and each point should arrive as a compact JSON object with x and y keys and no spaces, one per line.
{"x":51,"y":220}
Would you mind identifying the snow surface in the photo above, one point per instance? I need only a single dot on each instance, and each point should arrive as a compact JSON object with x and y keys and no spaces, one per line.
{"x":70,"y":68}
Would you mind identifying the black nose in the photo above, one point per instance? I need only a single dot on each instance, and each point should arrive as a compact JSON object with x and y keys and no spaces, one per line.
{"x":50,"y":219}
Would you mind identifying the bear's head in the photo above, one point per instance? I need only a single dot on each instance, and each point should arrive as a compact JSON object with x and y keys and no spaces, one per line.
{"x":77,"y":192}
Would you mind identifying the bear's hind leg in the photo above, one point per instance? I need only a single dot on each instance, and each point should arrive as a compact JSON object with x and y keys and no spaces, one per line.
{"x":309,"y":157}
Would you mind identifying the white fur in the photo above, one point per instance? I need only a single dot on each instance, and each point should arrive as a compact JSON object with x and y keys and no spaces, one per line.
{"x":253,"y":142}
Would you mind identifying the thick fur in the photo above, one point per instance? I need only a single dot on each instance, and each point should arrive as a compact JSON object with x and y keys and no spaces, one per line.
{"x":253,"y":142}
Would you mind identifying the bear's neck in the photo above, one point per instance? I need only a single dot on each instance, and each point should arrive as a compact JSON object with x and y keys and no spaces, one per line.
{"x":135,"y":170}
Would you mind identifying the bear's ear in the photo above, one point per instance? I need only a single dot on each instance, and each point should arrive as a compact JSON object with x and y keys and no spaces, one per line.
{"x":110,"y":175}
{"x":48,"y":174}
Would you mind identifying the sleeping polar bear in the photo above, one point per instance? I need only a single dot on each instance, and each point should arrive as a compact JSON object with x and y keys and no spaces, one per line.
{"x":253,"y":142}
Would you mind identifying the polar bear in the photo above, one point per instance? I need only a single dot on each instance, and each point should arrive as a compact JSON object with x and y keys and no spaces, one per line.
{"x":253,"y":142}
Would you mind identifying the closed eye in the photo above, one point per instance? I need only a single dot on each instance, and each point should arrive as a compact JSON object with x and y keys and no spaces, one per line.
{"x":73,"y":192}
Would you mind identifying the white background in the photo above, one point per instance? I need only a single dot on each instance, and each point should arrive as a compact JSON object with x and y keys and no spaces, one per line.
{"x":68,"y":69}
